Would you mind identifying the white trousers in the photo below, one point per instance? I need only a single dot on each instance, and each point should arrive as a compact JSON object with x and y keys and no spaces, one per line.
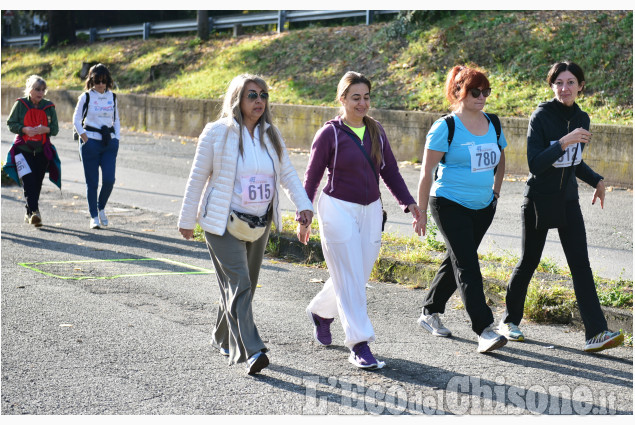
{"x":351,"y":239}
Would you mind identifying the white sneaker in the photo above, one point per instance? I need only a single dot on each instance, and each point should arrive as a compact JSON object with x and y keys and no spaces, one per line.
{"x":490,"y":340}
{"x":94,"y":223}
{"x":432,"y":323}
{"x":103,"y":218}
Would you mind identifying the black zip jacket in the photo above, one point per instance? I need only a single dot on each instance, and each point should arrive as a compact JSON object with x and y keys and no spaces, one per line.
{"x":551,"y":121}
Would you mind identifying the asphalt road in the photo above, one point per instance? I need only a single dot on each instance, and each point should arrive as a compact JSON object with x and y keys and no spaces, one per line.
{"x":118,"y":321}
{"x":152,"y":171}
{"x":74,"y":342}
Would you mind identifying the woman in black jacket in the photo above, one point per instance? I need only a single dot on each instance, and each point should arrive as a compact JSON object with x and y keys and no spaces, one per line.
{"x":558,"y":132}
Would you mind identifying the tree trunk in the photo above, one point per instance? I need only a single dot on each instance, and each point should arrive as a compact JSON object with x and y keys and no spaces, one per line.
{"x":61,"y":28}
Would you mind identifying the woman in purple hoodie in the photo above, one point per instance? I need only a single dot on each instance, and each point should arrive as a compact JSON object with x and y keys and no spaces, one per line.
{"x":355,"y":150}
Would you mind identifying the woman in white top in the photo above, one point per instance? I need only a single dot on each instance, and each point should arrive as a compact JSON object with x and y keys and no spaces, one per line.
{"x":96,"y":120}
{"x":232,"y":192}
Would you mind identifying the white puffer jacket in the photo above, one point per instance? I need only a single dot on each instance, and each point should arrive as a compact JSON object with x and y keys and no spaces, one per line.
{"x":214,"y":168}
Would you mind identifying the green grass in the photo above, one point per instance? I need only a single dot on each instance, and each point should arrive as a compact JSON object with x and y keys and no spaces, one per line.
{"x":407,"y":60}
{"x":551,"y":303}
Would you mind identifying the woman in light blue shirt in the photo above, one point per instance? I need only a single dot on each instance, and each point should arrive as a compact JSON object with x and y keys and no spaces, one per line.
{"x":468,"y":147}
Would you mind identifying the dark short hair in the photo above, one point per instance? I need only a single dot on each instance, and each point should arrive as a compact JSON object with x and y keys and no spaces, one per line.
{"x":560,"y":67}
{"x":98,"y":71}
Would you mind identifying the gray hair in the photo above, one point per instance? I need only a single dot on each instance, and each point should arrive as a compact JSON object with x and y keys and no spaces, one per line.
{"x":231,"y":110}
{"x":32,"y":82}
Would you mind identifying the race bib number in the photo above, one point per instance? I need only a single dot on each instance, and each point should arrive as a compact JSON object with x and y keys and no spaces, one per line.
{"x":257,"y":189}
{"x":484,"y":157}
{"x":21,"y":165}
{"x":567,"y":157}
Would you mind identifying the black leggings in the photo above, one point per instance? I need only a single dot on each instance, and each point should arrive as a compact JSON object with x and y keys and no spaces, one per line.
{"x":462,"y":229}
{"x":32,"y":182}
{"x":573,"y":240}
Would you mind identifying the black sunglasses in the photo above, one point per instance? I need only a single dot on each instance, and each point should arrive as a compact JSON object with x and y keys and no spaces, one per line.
{"x":253,"y":95}
{"x":477,"y":92}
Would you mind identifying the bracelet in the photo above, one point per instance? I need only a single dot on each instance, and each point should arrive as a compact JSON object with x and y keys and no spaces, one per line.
{"x":498,"y":195}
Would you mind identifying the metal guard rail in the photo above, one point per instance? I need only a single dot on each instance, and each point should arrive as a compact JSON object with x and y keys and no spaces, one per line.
{"x":222,"y":22}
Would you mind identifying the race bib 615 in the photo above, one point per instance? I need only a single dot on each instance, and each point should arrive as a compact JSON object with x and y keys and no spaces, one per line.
{"x":257,"y":189}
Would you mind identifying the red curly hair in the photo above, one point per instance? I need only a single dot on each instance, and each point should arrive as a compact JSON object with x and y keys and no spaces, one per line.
{"x":460,"y":81}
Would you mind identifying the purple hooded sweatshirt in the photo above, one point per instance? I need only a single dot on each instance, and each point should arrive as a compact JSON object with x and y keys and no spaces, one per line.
{"x":350,"y":176}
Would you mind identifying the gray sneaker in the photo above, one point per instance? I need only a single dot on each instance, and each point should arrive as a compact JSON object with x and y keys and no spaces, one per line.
{"x":432,"y":323}
{"x":510,"y":331}
{"x":490,"y":340}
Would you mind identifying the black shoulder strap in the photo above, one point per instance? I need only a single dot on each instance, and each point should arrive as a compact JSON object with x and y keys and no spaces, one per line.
{"x":85,"y":108}
{"x":496,"y":123}
{"x":449,"y":120}
{"x":114,"y":110}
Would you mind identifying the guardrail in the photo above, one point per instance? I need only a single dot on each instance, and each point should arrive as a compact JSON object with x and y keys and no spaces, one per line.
{"x":146,"y":29}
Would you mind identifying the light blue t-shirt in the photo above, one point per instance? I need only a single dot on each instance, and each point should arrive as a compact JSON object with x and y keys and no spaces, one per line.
{"x":459,"y":178}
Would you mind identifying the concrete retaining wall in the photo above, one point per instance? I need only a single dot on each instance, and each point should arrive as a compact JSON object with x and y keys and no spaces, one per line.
{"x":610,"y":153}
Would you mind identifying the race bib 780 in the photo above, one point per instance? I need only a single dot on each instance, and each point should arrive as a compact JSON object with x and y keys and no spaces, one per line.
{"x":484,"y":157}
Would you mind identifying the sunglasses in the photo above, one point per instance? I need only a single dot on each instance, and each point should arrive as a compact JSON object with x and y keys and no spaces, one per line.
{"x":100,"y":81}
{"x":252,"y":95}
{"x":477,"y":92}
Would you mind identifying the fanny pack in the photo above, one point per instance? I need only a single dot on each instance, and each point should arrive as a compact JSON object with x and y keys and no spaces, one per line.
{"x":104,"y":131}
{"x":246,"y":227}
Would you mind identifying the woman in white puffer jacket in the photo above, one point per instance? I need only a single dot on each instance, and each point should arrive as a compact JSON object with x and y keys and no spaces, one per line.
{"x":232,"y":192}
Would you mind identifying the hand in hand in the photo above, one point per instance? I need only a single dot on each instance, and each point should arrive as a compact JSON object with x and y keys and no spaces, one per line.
{"x":415,"y":211}
{"x":419,"y":225}
{"x":303,"y":232}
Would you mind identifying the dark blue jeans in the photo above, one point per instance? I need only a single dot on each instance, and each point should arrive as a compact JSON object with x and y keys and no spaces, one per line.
{"x":96,"y":155}
{"x":573,"y":240}
{"x":462,"y":229}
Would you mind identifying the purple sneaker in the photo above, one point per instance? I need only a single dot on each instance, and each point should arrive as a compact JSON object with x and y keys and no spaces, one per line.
{"x":321,"y":328}
{"x":362,"y":357}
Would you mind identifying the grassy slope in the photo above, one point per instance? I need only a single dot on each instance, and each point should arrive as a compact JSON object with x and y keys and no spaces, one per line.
{"x":406,"y":64}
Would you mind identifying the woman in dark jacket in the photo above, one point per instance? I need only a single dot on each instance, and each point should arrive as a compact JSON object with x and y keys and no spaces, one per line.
{"x":558,"y":132}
